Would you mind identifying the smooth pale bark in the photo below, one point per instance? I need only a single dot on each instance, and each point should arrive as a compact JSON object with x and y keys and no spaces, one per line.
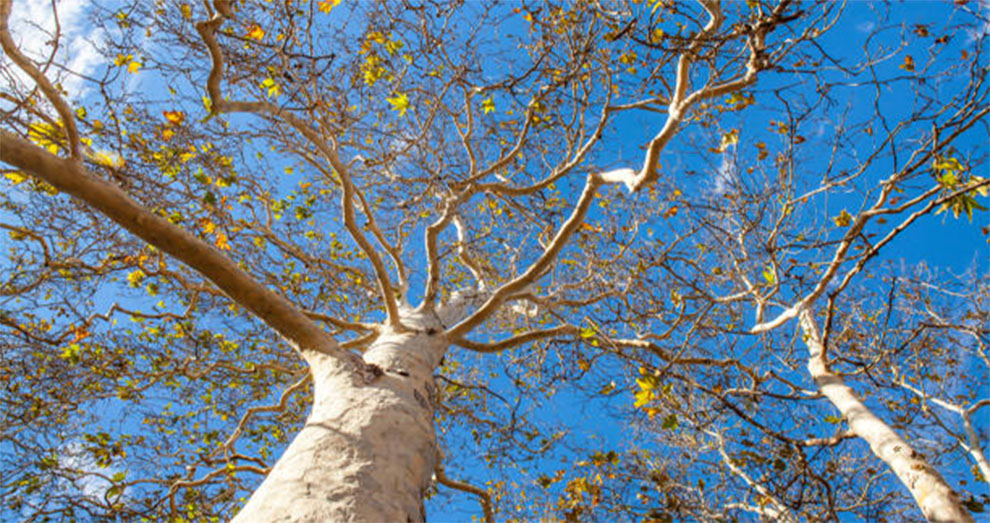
{"x":368,"y":450}
{"x":937,"y":500}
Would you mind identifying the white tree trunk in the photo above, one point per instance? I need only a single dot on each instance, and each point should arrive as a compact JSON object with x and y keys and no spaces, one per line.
{"x":937,"y":500}
{"x":368,"y":449}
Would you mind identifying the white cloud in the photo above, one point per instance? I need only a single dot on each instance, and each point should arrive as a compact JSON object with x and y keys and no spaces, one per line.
{"x":866,"y":27}
{"x":727,"y":175}
{"x":90,"y":479}
{"x":33,"y":27}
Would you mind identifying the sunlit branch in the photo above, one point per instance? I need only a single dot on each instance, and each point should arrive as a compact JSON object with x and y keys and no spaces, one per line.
{"x":341,"y":324}
{"x":433,"y":268}
{"x":392,"y":250}
{"x":972,"y":444}
{"x":681,"y":360}
{"x":538,"y":267}
{"x":675,"y":112}
{"x":207,"y":31}
{"x":515,"y":341}
{"x":68,"y":118}
{"x":936,"y":499}
{"x":827,"y":442}
{"x":465,"y":257}
{"x":483,"y":496}
{"x":920,"y":157}
{"x":72,"y":178}
{"x":516,"y":148}
{"x":566,"y":168}
{"x":384,"y":282}
{"x":776,"y":509}
{"x":361,"y":343}
{"x":283,"y":402}
{"x":465,"y":134}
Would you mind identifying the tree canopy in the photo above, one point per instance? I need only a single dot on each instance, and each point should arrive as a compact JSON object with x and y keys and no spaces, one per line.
{"x":692,"y":259}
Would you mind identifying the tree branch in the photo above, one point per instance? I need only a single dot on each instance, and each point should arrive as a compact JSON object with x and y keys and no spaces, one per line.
{"x":538,"y":267}
{"x":74,"y":179}
{"x":64,"y":112}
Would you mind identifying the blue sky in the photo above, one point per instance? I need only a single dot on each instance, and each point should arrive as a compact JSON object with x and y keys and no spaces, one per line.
{"x":940,"y":241}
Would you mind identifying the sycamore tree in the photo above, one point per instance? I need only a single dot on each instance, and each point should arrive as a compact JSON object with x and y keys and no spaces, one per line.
{"x":797,"y":349}
{"x":258,"y":253}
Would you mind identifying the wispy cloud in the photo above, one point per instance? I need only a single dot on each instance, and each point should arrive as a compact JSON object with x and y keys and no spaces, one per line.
{"x":35,"y":27}
{"x":727,"y":175}
{"x":866,"y":27}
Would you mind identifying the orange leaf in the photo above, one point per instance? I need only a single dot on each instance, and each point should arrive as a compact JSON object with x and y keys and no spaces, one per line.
{"x":255,"y":31}
{"x":174,"y":117}
{"x":908,"y":64}
{"x":221,"y":242}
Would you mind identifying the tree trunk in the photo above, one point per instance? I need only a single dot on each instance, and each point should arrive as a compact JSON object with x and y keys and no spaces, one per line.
{"x":368,"y":449}
{"x":937,"y":500}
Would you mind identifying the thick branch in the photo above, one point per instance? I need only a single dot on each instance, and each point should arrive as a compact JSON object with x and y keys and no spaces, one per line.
{"x":538,"y":267}
{"x":681,"y":102}
{"x":207,"y":31}
{"x":483,"y":496}
{"x":516,"y":340}
{"x":73,"y":178}
{"x":937,"y":500}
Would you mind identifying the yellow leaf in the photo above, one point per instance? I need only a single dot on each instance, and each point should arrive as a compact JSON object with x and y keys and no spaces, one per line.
{"x":174,"y":117}
{"x":16,"y":177}
{"x":326,"y":6}
{"x":186,"y":11}
{"x":135,"y":277}
{"x":207,"y":225}
{"x":843,"y":219}
{"x":255,"y":31}
{"x":400,"y":103}
{"x":134,"y":66}
{"x":981,"y":189}
{"x":271,"y":87}
{"x":123,"y":59}
{"x":488,"y":105}
{"x":643,"y":397}
{"x":730,"y":138}
{"x":46,"y":135}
